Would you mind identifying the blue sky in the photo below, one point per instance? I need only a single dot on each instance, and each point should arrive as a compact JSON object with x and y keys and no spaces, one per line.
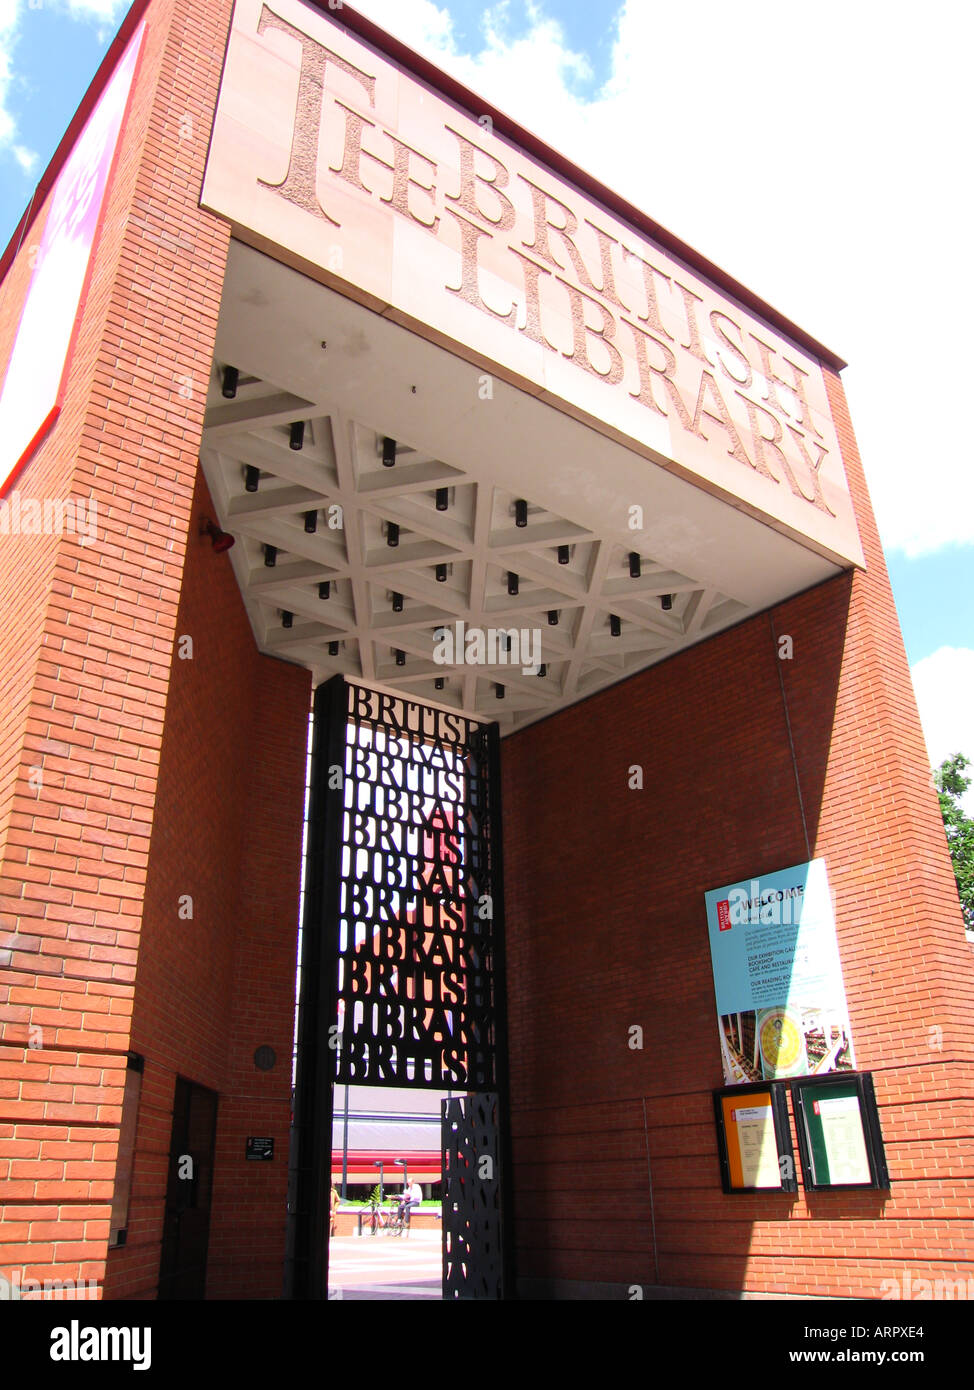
{"x":810,"y":170}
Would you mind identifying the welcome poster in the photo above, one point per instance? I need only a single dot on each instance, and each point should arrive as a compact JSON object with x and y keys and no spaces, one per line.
{"x":781,"y":1001}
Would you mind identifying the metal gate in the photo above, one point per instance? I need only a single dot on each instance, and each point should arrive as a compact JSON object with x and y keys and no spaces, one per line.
{"x":402,"y":972}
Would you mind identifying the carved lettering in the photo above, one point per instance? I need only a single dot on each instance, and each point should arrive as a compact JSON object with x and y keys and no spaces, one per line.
{"x":717,"y":320}
{"x":531,"y":327}
{"x":582,"y":331}
{"x":469,"y":179}
{"x":720,"y":416}
{"x":469,"y":288}
{"x":795,"y":387}
{"x":666,"y":374}
{"x":694,"y":343}
{"x":299,"y":185}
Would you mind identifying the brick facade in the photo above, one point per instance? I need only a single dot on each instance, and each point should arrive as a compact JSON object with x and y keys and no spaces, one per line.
{"x":133,"y":776}
{"x":606,"y":927}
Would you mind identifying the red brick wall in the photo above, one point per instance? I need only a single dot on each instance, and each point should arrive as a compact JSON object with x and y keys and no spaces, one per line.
{"x":211,"y":989}
{"x":606,"y":929}
{"x":86,"y":635}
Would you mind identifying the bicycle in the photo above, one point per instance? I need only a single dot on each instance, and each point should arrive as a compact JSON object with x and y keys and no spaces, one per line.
{"x":395,"y":1222}
{"x":377,"y":1217}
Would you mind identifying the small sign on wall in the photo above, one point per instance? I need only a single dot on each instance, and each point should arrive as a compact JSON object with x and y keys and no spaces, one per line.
{"x":260,"y":1149}
{"x":754,"y":1139}
{"x":839,"y":1137}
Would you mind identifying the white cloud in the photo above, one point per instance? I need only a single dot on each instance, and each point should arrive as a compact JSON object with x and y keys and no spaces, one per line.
{"x":8,"y":38}
{"x":944,"y":685}
{"x":818,"y":155}
{"x":24,"y":157}
{"x":100,"y":12}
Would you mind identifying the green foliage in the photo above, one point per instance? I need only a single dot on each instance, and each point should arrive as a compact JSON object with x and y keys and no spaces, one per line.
{"x":951,"y":785}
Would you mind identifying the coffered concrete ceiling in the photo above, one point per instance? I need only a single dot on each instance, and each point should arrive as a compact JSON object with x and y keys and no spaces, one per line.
{"x":323,"y":514}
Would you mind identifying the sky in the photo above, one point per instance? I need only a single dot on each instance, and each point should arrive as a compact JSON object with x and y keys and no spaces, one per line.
{"x":818,"y":152}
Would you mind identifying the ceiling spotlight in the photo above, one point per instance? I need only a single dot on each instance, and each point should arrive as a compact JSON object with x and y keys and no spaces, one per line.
{"x":333,"y":648}
{"x":388,"y":452}
{"x":498,"y":692}
{"x":439,"y":683}
{"x":635,"y":564}
{"x":615,"y":625}
{"x":400,"y":658}
{"x":287,"y":619}
{"x":251,"y":478}
{"x":520,"y":512}
{"x":552,"y":617}
{"x":442,"y":499}
{"x":220,"y":540}
{"x":542,"y":670}
{"x":297,"y":435}
{"x":512,"y":583}
{"x":666,"y":601}
{"x":392,"y":534}
{"x":564,"y":554}
{"x":230,"y":379}
{"x":270,"y":556}
{"x":397,"y":603}
{"x":311,"y":522}
{"x":441,"y":574}
{"x":324,"y":589}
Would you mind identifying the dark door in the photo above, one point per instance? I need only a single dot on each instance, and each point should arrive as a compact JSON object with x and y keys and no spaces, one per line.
{"x":186,"y":1232}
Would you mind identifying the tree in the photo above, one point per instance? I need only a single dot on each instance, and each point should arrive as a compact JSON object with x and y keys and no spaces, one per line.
{"x":951,"y":785}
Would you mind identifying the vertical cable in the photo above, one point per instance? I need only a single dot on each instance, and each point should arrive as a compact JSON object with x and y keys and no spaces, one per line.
{"x":652,"y":1205}
{"x":791,"y":741}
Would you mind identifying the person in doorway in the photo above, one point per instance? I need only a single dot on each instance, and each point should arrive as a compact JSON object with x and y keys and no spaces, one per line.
{"x":335,"y":1200}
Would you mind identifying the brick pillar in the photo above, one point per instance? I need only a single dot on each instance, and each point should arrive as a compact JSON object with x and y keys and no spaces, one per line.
{"x":86,"y":650}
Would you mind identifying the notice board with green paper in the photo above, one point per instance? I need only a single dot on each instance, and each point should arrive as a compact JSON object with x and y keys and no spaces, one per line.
{"x":839,"y":1137}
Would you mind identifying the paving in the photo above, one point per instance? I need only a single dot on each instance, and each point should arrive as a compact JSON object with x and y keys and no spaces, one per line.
{"x":383,"y":1267}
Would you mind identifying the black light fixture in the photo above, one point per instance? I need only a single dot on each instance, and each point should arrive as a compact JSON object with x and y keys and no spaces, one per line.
{"x":270,"y":556}
{"x":666,"y":601}
{"x":333,"y":648}
{"x":498,"y":692}
{"x":442,"y":499}
{"x":397,"y":603}
{"x":552,"y":617}
{"x":221,"y":541}
{"x":520,"y":512}
{"x":324,"y":589}
{"x":392,"y":534}
{"x":542,"y":669}
{"x":635,"y":564}
{"x":439,"y":683}
{"x":287,"y":619}
{"x":230,"y":378}
{"x":441,"y":574}
{"x":564,"y":554}
{"x":615,"y":625}
{"x":512,"y":583}
{"x":400,"y":657}
{"x":388,"y":452}
{"x":251,"y":478}
{"x":297,"y":435}
{"x":311,"y":522}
